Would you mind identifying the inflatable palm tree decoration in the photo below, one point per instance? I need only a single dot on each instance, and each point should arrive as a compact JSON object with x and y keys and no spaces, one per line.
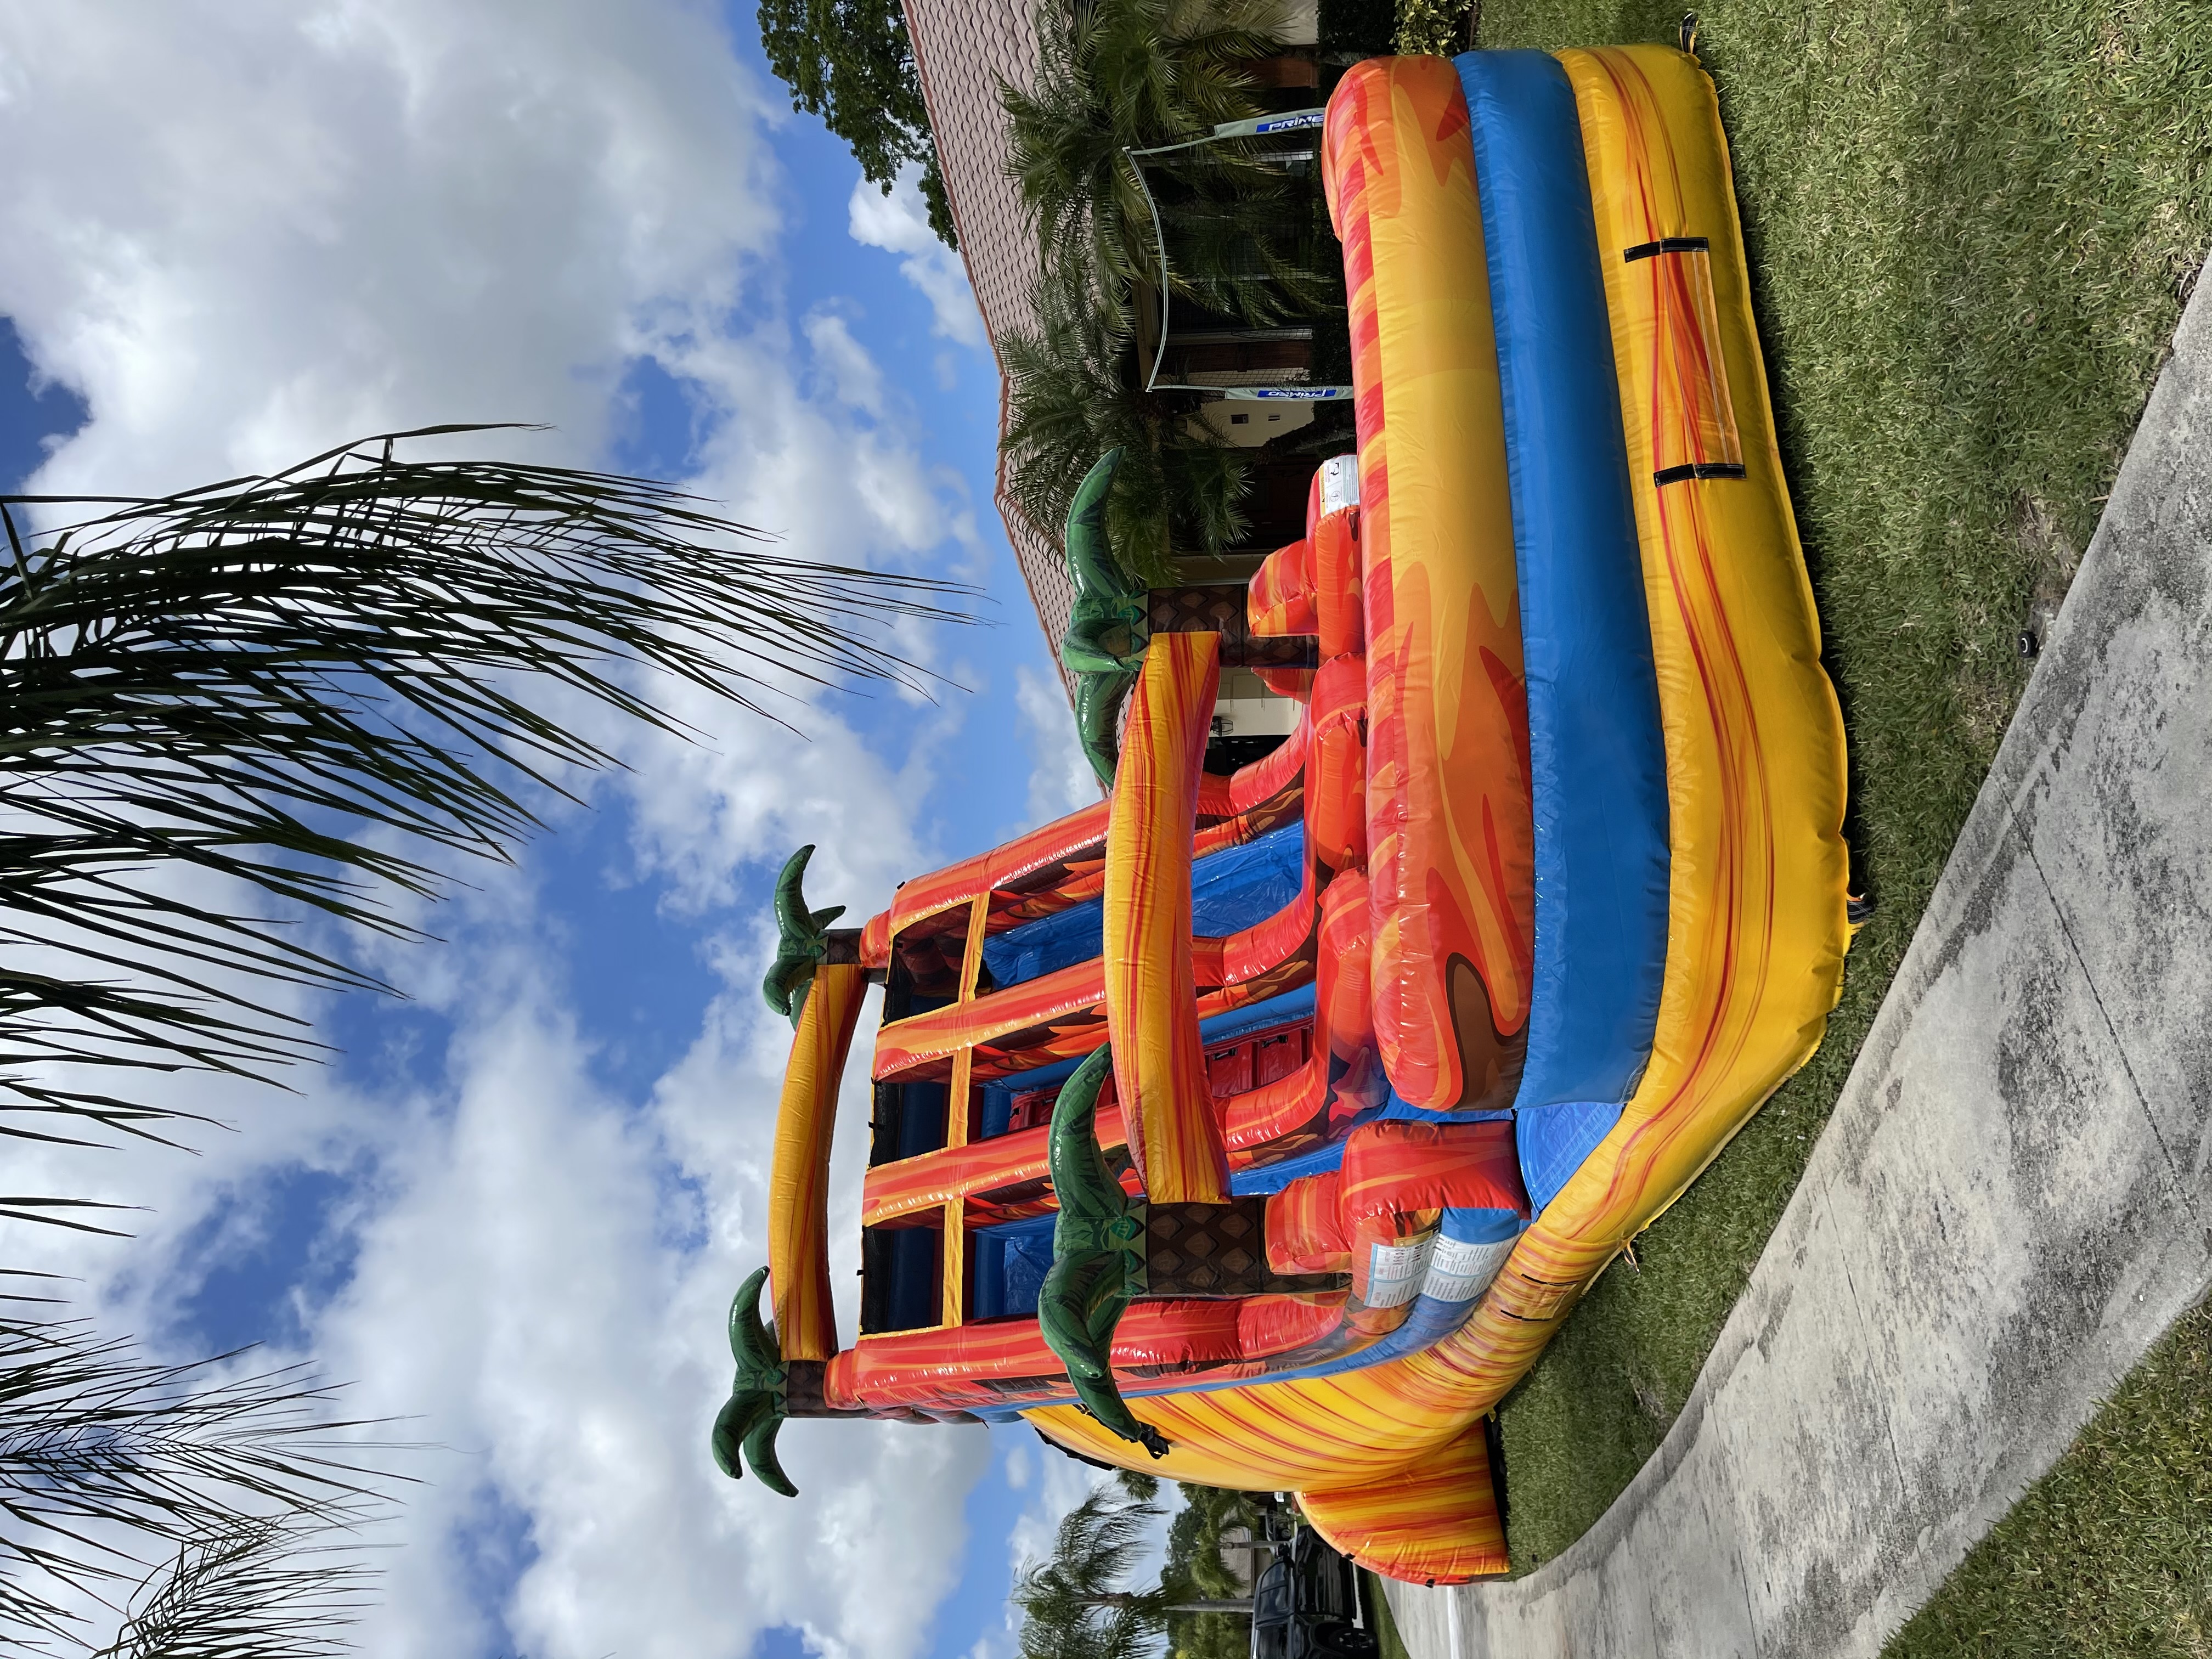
{"x":1097,"y":1255}
{"x":802,"y":940}
{"x":1104,"y":645}
{"x":745,"y":1431}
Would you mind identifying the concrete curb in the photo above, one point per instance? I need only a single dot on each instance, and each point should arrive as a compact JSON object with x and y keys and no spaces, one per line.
{"x":2010,"y":1203}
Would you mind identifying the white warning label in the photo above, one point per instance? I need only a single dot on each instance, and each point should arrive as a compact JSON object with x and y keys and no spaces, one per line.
{"x":1395,"y":1272}
{"x":1459,"y":1271}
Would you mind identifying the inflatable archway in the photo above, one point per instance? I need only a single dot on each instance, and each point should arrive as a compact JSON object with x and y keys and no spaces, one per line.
{"x":1259,"y":1130}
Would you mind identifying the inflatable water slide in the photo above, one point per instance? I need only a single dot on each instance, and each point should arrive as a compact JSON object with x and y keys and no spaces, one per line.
{"x":1259,"y":1129}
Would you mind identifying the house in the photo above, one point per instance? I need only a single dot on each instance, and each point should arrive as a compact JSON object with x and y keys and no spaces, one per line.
{"x":964,"y":50}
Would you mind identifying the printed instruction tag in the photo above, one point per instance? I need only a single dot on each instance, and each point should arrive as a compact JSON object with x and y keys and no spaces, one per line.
{"x":1460,"y":1270}
{"x":1339,"y":483}
{"x":1395,"y":1272}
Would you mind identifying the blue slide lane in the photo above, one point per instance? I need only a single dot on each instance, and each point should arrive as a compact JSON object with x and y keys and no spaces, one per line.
{"x":1598,"y":764}
{"x":1233,"y":889}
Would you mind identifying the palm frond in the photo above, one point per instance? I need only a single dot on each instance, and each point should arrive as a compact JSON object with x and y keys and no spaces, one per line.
{"x":1075,"y":1604}
{"x":241,"y":679}
{"x":271,"y":1588}
{"x":1116,"y":75}
{"x":1071,"y":398}
{"x":247,"y":1491}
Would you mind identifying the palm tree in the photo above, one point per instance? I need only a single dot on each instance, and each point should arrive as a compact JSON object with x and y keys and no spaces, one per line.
{"x":1114,"y":76}
{"x":208,"y":1516}
{"x":307,"y":684}
{"x":1074,"y":1605}
{"x":1117,"y":75}
{"x":1071,"y":398}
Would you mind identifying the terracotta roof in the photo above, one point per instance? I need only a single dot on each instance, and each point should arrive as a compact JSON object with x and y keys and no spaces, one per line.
{"x":964,"y":49}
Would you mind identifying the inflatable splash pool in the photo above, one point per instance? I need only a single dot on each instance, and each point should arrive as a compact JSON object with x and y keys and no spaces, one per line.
{"x":1259,"y":1129}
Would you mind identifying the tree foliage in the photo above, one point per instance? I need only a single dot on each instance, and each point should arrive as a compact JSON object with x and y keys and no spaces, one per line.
{"x":1075,"y":1604}
{"x":1195,"y":1568}
{"x":1069,"y":399}
{"x":207,"y":1514}
{"x":1117,"y":75}
{"x":1114,"y":76}
{"x":307,"y":684}
{"x":850,"y":62}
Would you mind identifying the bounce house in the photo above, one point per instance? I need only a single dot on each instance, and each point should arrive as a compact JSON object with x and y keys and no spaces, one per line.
{"x":1258,"y":1129}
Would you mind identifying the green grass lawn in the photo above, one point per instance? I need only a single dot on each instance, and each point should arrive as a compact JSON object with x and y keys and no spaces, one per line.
{"x":2110,"y":1553}
{"x":1971,"y":226}
{"x":1386,"y":1627}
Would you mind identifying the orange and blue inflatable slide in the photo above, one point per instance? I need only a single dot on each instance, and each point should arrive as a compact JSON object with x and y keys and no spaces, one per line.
{"x":1259,"y":1128}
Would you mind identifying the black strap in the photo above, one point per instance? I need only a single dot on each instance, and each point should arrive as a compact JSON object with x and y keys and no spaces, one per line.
{"x":1666,"y":245}
{"x":1703,"y":469}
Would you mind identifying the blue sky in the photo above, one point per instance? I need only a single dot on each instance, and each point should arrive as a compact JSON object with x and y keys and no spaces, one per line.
{"x":514,"y":1207}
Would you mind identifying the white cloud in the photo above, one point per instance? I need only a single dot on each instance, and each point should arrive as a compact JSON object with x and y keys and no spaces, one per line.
{"x":1061,"y":777}
{"x":860,"y":383}
{"x":240,"y":226}
{"x":899,"y":223}
{"x":578,"y":1359}
{"x":248,"y":230}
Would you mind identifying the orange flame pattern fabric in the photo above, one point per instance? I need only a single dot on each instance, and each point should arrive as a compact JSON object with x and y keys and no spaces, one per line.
{"x":1280,"y":599}
{"x":1003,"y":1361}
{"x":1344,"y":1074}
{"x":1305,"y":1231}
{"x":1450,"y":820}
{"x":1340,"y":617}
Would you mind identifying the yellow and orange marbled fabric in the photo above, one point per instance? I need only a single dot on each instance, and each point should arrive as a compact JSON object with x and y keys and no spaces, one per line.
{"x":1434,"y":1523}
{"x":1450,"y":827}
{"x":798,"y":1175}
{"x":1756,"y":925}
{"x":1152,"y":990}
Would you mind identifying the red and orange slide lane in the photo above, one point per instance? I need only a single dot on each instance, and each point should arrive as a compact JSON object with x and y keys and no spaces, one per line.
{"x":1450,"y":825}
{"x":798,"y":1173}
{"x":1344,"y":1072}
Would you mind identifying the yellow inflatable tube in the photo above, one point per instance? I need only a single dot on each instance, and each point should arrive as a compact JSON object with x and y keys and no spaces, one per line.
{"x":798,"y":1173}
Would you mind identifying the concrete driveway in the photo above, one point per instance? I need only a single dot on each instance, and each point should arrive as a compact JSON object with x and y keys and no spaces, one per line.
{"x":2010,"y":1205}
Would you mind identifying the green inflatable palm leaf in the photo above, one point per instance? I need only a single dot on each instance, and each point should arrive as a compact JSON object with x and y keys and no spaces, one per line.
{"x":1097,"y":1255}
{"x":1106,"y":630}
{"x":802,"y":940}
{"x":746,"y":1428}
